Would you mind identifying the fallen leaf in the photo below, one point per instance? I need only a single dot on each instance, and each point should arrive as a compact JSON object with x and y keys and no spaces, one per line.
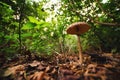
{"x":36,"y":76}
{"x":34,"y":63}
{"x":71,"y":77}
{"x":41,"y":68}
{"x":13,"y":70}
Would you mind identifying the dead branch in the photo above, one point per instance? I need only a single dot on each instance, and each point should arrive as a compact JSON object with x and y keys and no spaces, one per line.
{"x":107,"y":24}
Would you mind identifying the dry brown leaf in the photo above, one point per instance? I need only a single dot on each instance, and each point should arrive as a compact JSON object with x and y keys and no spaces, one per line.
{"x":53,"y":71}
{"x":78,"y":72}
{"x":108,"y":65}
{"x":36,"y":76}
{"x":97,"y":71}
{"x":71,"y":77}
{"x":41,"y":68}
{"x":47,"y":77}
{"x":13,"y":70}
{"x":107,"y":54}
{"x":66,"y":72}
{"x":34,"y":63}
{"x":49,"y":69}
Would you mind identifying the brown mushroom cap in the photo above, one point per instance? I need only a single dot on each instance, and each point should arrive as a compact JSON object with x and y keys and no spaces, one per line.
{"x":78,"y":28}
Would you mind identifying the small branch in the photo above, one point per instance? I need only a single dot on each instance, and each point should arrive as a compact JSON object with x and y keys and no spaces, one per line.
{"x":108,"y":24}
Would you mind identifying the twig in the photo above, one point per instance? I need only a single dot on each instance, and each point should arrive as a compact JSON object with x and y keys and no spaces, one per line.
{"x":108,"y":24}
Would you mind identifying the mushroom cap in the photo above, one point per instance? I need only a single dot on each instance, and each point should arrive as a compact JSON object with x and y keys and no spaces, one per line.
{"x":78,"y":28}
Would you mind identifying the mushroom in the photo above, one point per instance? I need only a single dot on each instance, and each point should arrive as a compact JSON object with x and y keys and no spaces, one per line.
{"x":78,"y":28}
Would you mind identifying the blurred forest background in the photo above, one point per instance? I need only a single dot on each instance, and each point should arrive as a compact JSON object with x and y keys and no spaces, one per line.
{"x":40,"y":26}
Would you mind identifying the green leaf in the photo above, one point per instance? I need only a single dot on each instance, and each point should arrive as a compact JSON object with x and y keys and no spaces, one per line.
{"x":8,"y":37}
{"x":11,"y":37}
{"x":42,"y":24}
{"x":36,"y":35}
{"x":28,"y":25}
{"x":26,"y":35}
{"x":33,"y":20}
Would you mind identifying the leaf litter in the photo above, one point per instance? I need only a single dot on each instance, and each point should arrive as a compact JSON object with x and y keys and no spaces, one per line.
{"x":60,"y":67}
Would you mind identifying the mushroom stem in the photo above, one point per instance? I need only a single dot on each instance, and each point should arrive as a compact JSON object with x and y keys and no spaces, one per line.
{"x":80,"y":50}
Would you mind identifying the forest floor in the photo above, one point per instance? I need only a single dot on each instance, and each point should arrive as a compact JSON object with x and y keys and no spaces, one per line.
{"x":105,"y":66}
